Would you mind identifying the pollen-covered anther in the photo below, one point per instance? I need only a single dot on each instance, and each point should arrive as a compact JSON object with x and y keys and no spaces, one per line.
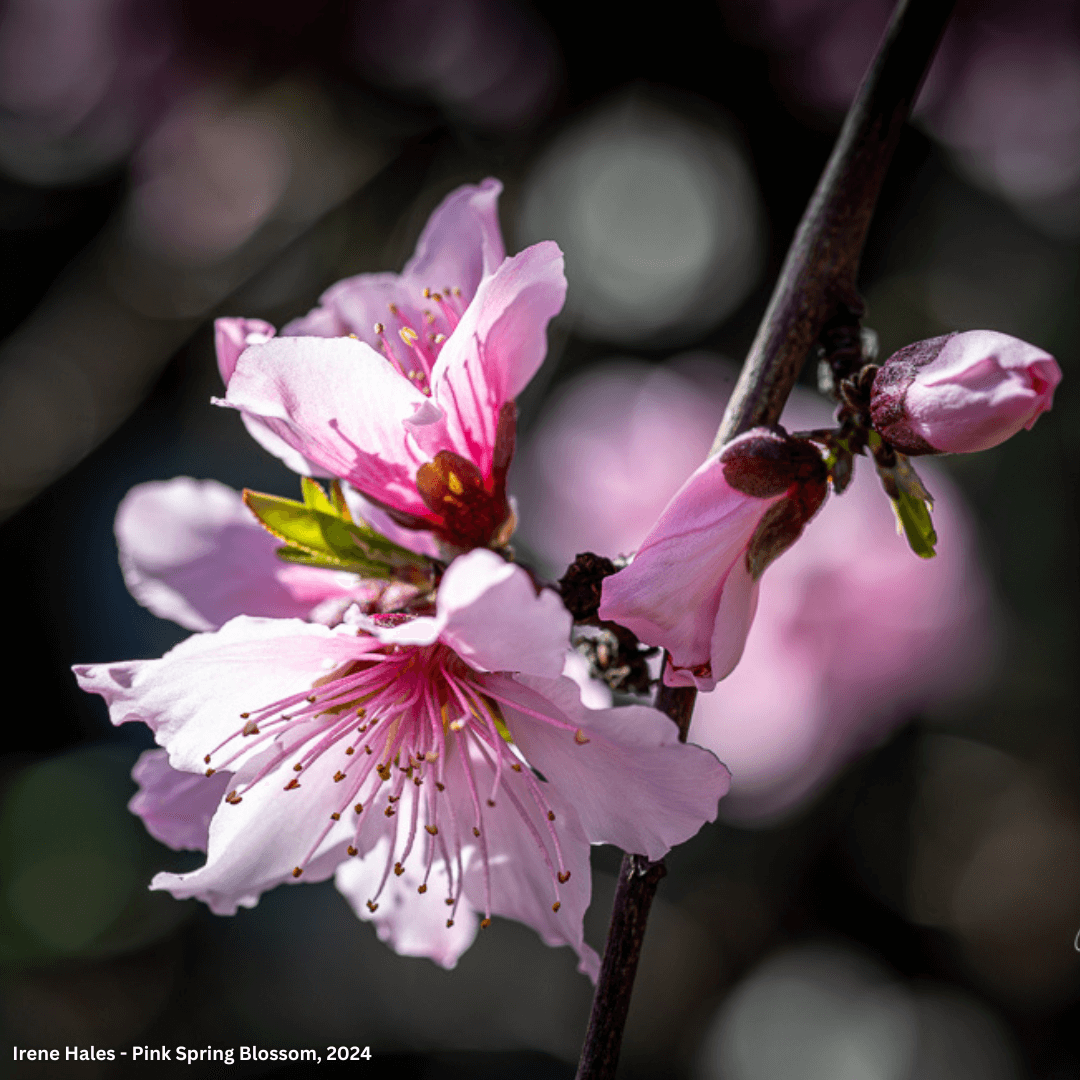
{"x":458,"y":724}
{"x":210,"y":772}
{"x":335,"y":816}
{"x":399,"y":869}
{"x":368,"y":750}
{"x":372,"y":906}
{"x":250,"y":728}
{"x":350,"y":750}
{"x":383,"y":771}
{"x":516,"y":766}
{"x":389,"y":811}
{"x":433,"y":829}
{"x":207,"y":759}
{"x":476,"y":832}
{"x":564,"y":876}
{"x":298,"y":767}
{"x":485,"y":923}
{"x":292,"y":785}
{"x":449,"y":901}
{"x":491,"y":802}
{"x":551,"y":815}
{"x":351,"y":850}
{"x":233,"y":798}
{"x":392,"y":798}
{"x":421,"y":889}
{"x":580,"y":737}
{"x":338,"y":776}
{"x":244,"y":715}
{"x":408,"y":335}
{"x":297,"y":871}
{"x":359,"y":808}
{"x":556,"y":905}
{"x":449,"y":923}
{"x":440,"y":786}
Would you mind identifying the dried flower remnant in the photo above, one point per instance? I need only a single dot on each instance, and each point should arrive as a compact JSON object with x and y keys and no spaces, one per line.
{"x":961,"y":393}
{"x":421,"y":760}
{"x":404,"y":385}
{"x":692,"y":587}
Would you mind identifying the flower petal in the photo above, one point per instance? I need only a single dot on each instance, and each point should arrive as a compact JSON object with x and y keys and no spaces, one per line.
{"x":632,"y":783}
{"x":233,"y":336}
{"x":339,"y":404}
{"x":193,"y":696}
{"x":176,"y":807}
{"x":494,"y":351}
{"x":192,"y":552}
{"x":671,"y":594}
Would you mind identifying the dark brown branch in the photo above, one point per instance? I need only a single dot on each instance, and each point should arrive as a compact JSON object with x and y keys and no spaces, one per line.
{"x":821,"y":266}
{"x":817,"y":280}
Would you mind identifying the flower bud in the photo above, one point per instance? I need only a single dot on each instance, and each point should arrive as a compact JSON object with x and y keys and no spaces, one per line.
{"x":961,"y":392}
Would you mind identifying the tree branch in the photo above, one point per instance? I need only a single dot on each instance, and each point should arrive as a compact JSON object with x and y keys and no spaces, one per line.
{"x":818,"y":278}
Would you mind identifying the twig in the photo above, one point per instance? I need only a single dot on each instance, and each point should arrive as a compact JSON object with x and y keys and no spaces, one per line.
{"x":817,"y":280}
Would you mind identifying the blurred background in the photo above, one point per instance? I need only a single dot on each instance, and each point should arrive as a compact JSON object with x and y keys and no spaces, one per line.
{"x":894,"y":888}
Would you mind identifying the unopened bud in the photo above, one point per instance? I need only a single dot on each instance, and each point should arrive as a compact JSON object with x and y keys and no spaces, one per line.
{"x":962,"y":392}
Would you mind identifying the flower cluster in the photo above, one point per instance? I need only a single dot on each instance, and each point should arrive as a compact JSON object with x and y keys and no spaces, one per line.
{"x":414,"y":736}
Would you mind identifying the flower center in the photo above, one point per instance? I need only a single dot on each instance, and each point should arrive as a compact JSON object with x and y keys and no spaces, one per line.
{"x":412,"y":344}
{"x":423,"y":742}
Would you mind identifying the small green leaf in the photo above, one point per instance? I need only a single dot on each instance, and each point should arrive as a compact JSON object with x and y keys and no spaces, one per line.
{"x":320,"y":532}
{"x":913,"y":516}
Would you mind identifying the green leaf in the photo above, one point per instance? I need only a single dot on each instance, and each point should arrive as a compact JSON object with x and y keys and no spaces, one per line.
{"x":913,"y":516}
{"x":320,"y":532}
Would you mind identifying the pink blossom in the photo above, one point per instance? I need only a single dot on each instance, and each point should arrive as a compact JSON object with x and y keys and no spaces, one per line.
{"x":693,"y":585}
{"x":404,"y":385}
{"x":193,"y":553}
{"x":962,"y":392}
{"x":852,"y":636}
{"x":442,"y":754}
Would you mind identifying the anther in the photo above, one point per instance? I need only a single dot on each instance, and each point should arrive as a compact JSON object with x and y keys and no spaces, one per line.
{"x":392,"y":798}
{"x":350,"y":749}
{"x":383,"y":771}
{"x":359,"y":808}
{"x":399,"y":869}
{"x":292,"y":785}
{"x":580,"y":737}
{"x":433,"y":829}
{"x":361,"y":713}
{"x":244,"y":715}
{"x":210,"y":772}
{"x":312,"y":699}
{"x":556,"y":905}
{"x":408,"y":335}
{"x":297,"y":871}
{"x":449,"y":901}
{"x":379,"y":328}
{"x":441,"y":787}
{"x":393,"y":308}
{"x":351,"y":850}
{"x":439,"y":339}
{"x":372,"y":906}
{"x":516,"y":766}
{"x":485,"y":923}
{"x":475,"y":832}
{"x":421,"y":889}
{"x":426,"y":294}
{"x":298,"y":767}
{"x":335,"y":816}
{"x":250,"y":728}
{"x":233,"y":798}
{"x":368,"y":750}
{"x":389,"y":811}
{"x":338,"y":776}
{"x":207,"y":759}
{"x":564,"y":876}
{"x":491,"y":802}
{"x":551,"y":815}
{"x":449,"y":923}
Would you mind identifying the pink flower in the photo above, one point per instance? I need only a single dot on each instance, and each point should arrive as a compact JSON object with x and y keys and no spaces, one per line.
{"x":693,"y":585}
{"x":192,"y":552}
{"x":440,"y":755}
{"x":853,"y":635}
{"x":414,"y":407}
{"x":962,"y":392}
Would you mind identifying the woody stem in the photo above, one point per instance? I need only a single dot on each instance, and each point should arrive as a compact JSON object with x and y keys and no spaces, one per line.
{"x":818,"y":280}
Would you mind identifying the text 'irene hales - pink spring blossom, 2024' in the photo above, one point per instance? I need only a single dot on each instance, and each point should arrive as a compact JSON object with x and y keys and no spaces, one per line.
{"x":403,"y":385}
{"x":440,"y":767}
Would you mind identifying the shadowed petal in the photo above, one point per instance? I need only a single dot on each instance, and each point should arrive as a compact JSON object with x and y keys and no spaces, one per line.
{"x":176,"y":807}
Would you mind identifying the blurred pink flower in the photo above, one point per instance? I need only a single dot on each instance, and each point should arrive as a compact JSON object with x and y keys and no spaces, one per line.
{"x":692,"y":588}
{"x":497,"y":778}
{"x":853,"y":635}
{"x":961,"y":393}
{"x":416,"y":413}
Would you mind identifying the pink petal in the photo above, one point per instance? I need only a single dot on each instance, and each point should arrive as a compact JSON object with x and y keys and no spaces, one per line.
{"x":176,"y":807}
{"x":193,"y":696}
{"x":460,"y":245}
{"x":193,"y":553}
{"x":233,"y":336}
{"x":671,"y":594}
{"x":633,"y":784}
{"x":411,"y":924}
{"x":341,"y":406}
{"x":494,"y":351}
